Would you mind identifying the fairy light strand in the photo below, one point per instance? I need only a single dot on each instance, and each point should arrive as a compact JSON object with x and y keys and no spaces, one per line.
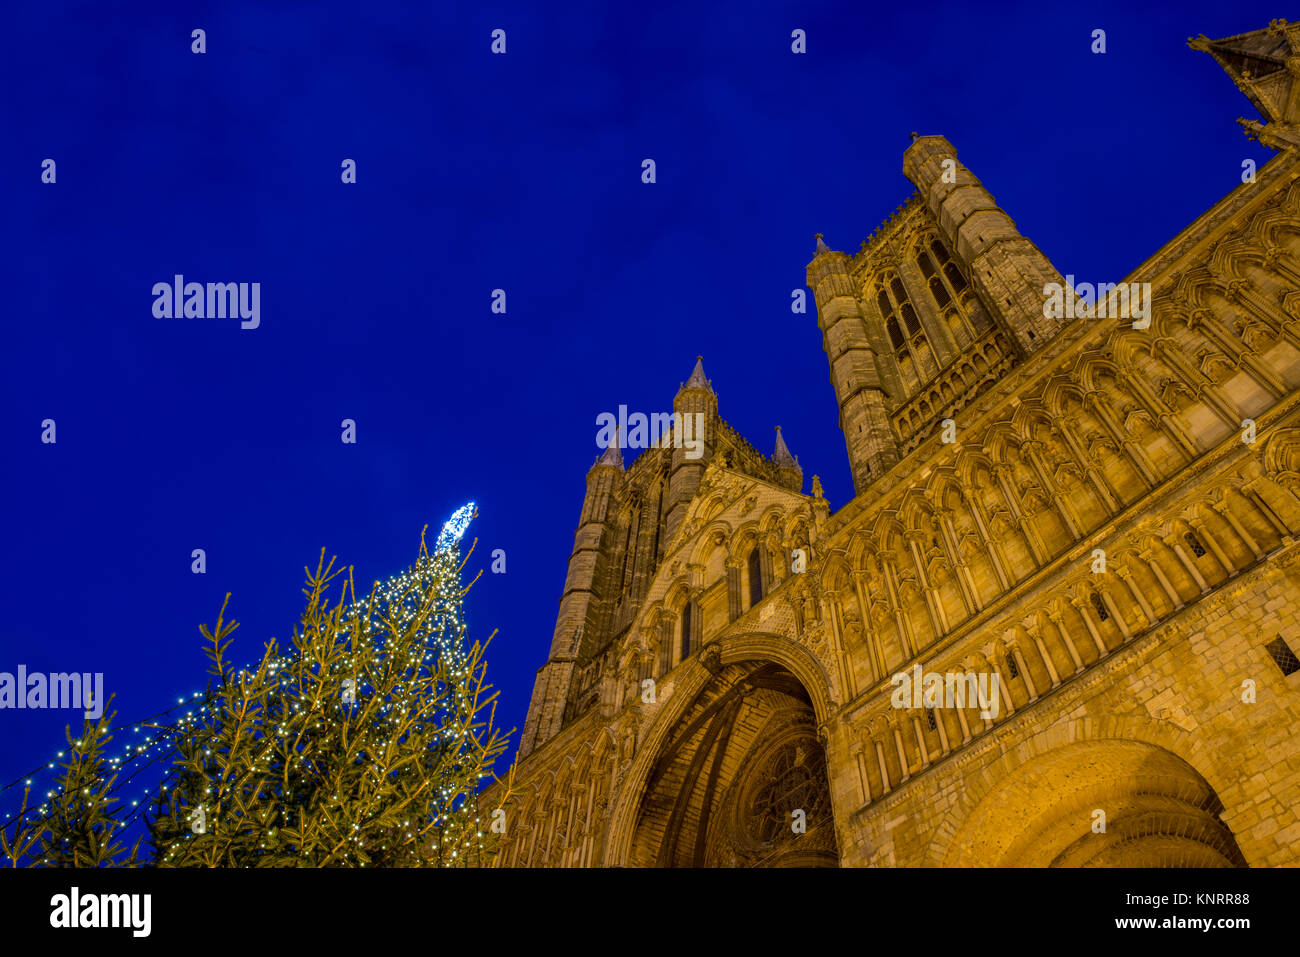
{"x":393,"y":609}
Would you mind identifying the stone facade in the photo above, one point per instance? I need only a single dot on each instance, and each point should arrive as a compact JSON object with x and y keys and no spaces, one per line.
{"x":1097,"y":516}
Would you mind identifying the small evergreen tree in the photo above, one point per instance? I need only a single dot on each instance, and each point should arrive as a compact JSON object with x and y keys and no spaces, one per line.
{"x":79,"y":824}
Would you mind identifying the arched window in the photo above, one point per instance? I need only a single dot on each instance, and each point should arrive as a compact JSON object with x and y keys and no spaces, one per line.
{"x":895,"y":334}
{"x":686,"y":631}
{"x":659,"y":515}
{"x":1195,"y":545}
{"x":1100,"y":605}
{"x":946,"y":284}
{"x":755,"y":578}
{"x":916,"y":362}
{"x":940,"y":292}
{"x":909,"y":318}
{"x":629,"y":549}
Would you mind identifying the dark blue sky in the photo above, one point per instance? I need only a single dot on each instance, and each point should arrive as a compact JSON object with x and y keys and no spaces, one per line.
{"x":478,"y":172}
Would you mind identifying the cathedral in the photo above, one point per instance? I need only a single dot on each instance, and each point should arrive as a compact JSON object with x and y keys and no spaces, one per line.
{"x":1056,"y":626}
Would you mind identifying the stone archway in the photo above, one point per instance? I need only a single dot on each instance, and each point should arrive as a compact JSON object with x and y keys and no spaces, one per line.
{"x":740,"y":779}
{"x":1157,"y":811}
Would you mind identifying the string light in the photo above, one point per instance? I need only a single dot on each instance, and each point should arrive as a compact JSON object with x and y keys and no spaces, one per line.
{"x":418,"y":610}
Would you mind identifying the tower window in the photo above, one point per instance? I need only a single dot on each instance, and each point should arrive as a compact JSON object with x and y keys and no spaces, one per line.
{"x":1195,"y":545}
{"x":896,"y":287}
{"x":686,"y":630}
{"x":1282,"y":654}
{"x":895,"y":333}
{"x":927,"y":266}
{"x":629,"y":562}
{"x":909,"y":318}
{"x":929,"y":719}
{"x":939,"y":292}
{"x":1102,"y":612}
{"x":1013,"y":670}
{"x":940,"y":253}
{"x":954,"y":275}
{"x":755,"y":578}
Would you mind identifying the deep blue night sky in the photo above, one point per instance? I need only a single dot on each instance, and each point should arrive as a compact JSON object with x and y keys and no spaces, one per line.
{"x":478,"y":172}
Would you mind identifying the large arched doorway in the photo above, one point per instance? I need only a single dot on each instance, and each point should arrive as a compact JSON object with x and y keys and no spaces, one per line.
{"x":740,"y":781}
{"x":1099,"y":803}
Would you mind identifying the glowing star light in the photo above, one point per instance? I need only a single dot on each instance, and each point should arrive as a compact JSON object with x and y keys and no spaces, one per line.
{"x":456,"y":525}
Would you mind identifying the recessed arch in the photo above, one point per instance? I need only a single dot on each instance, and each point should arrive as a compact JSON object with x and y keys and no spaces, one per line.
{"x":1114,"y":792}
{"x":741,"y":779}
{"x":679,"y":697}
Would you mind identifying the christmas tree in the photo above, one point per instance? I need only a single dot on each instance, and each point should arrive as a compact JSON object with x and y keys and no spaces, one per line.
{"x":80,"y":823}
{"x":362,"y":744}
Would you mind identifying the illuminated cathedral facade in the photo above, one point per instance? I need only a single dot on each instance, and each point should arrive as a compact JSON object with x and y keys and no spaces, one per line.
{"x":1098,"y":516}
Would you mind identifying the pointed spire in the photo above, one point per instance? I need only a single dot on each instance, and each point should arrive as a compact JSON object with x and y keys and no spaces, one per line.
{"x":1257,"y":62}
{"x":821,"y":246}
{"x":697,"y":379}
{"x":782,"y":456}
{"x":612,"y":455}
{"x":788,"y":472}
